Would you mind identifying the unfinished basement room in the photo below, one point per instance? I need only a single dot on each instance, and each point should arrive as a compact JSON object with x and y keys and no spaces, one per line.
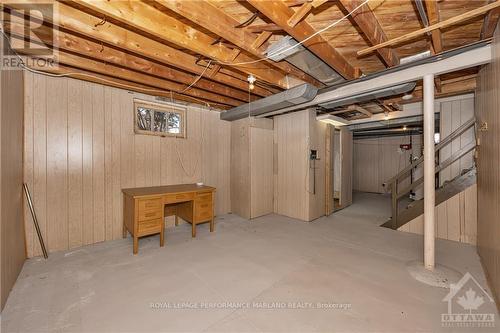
{"x":250,"y":166}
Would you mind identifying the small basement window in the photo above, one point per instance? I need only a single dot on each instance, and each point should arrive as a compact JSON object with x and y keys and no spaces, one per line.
{"x":159,"y":119}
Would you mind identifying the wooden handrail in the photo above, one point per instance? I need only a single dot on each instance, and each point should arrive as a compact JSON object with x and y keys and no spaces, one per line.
{"x":456,"y":133}
{"x":456,"y":156}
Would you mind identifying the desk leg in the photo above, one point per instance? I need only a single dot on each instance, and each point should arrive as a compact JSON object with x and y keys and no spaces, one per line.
{"x":176,"y":220}
{"x":124,"y":230}
{"x":193,"y":222}
{"x":136,"y":244}
{"x":212,"y":225}
{"x":162,"y":235}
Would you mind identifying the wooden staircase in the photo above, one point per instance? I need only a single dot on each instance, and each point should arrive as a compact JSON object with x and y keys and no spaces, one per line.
{"x":446,"y":191}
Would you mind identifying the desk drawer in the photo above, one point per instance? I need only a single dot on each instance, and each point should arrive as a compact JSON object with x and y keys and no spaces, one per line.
{"x":178,"y":197}
{"x":204,"y":197}
{"x":149,"y":227}
{"x":150,"y":204}
{"x":145,"y":215}
{"x":203,"y":214}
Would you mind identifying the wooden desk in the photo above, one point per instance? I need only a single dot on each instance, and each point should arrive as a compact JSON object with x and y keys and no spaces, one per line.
{"x":145,"y":208}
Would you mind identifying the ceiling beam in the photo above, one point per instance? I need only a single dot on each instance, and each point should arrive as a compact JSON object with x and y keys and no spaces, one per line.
{"x":256,"y":28}
{"x":433,"y":14}
{"x":441,"y":25}
{"x":132,"y":76}
{"x":87,"y":25}
{"x":490,"y":23}
{"x":432,"y":17}
{"x":360,"y":110}
{"x":203,"y":13}
{"x":151,"y":21}
{"x":96,"y":51}
{"x":452,"y":87}
{"x":278,"y":12}
{"x":369,"y":25}
{"x":76,"y":61}
{"x":303,"y":11}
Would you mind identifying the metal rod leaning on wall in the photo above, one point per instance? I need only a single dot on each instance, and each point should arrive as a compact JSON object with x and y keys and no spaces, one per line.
{"x":35,"y":221}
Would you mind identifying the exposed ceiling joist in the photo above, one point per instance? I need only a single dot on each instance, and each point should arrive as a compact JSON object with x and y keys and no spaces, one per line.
{"x":368,"y":23}
{"x":96,"y":51}
{"x":441,"y":25}
{"x":72,"y":60}
{"x":203,"y":13}
{"x":278,"y":12}
{"x":303,"y":11}
{"x":139,"y":15}
{"x":430,"y":15}
{"x":87,"y":25}
{"x":261,"y":39}
{"x":132,"y":76}
{"x":360,"y":109}
{"x":490,"y":23}
{"x":256,"y":28}
{"x":433,"y":14}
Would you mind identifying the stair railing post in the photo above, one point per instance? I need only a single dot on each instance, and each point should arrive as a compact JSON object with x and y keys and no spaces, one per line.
{"x":394,"y":195}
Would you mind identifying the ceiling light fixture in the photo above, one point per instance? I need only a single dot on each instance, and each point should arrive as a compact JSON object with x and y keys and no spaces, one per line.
{"x":333,"y":120}
{"x":251,"y":80}
{"x":407,"y":96}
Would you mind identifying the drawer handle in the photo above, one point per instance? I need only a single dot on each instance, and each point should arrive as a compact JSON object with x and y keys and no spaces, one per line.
{"x":150,"y":214}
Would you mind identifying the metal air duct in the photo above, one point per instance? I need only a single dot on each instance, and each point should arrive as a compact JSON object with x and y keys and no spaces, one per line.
{"x":293,"y":96}
{"x":370,"y":95}
{"x":291,"y":51}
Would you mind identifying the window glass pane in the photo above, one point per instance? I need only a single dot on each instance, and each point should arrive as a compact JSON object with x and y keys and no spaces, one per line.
{"x":160,"y":123}
{"x":143,"y":119}
{"x":174,"y":123}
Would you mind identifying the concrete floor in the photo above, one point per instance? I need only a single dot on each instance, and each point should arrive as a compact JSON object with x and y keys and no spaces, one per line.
{"x":344,"y":261}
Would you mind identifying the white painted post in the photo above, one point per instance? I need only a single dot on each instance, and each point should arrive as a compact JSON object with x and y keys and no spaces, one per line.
{"x":429,"y":173}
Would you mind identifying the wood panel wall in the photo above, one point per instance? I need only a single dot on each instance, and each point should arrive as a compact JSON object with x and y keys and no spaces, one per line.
{"x":346,"y":161}
{"x":261,"y":170}
{"x":377,"y":160}
{"x":252,"y":167}
{"x":81,"y":150}
{"x":295,"y":193}
{"x":316,"y":185}
{"x":240,"y":168}
{"x":453,"y":114}
{"x":456,"y":218}
{"x":291,"y":167}
{"x":488,"y":161}
{"x":11,"y":180}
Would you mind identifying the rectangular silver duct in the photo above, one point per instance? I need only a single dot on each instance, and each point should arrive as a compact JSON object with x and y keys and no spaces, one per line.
{"x":294,"y":96}
{"x":371,"y":95}
{"x":291,"y":51}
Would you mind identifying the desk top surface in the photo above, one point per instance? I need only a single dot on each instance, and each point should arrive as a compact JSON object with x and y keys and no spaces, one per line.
{"x":168,"y":189}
